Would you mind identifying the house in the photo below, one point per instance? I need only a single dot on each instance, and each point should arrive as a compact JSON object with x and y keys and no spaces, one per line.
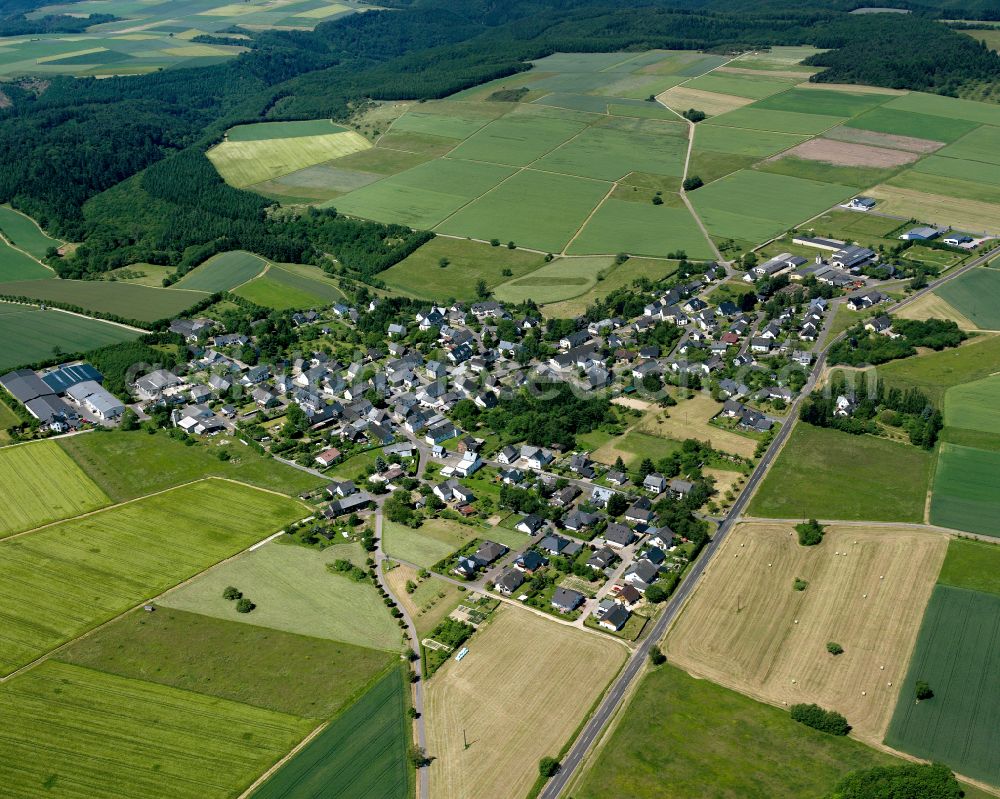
{"x":852,"y":256}
{"x":396,"y":331}
{"x":554,"y":544}
{"x":512,"y":477}
{"x":619,"y":535}
{"x":640,"y":515}
{"x":507,"y":455}
{"x":348,"y":504}
{"x":655,"y":482}
{"x":627,"y":595}
{"x":566,"y":600}
{"x":760,"y":345}
{"x":197,"y":419}
{"x":861,"y":204}
{"x":530,"y":562}
{"x":616,"y":478}
{"x":96,"y":399}
{"x":599,"y":495}
{"x":865,"y":299}
{"x":565,"y":496}
{"x":467,"y":568}
{"x":342,"y":489}
{"x":264,"y":398}
{"x":488,"y":552}
{"x":921,"y":234}
{"x":327,"y":457}
{"x":880,"y":324}
{"x":581,"y":464}
{"x":153,"y":385}
{"x":440,"y":432}
{"x":680,"y":488}
{"x":574,"y":339}
{"x":602,"y":559}
{"x":535,"y":457}
{"x":615,"y":618}
{"x":509,"y":582}
{"x":641,"y":574}
{"x":579,"y":520}
{"x":469,"y":464}
{"x":530,"y":524}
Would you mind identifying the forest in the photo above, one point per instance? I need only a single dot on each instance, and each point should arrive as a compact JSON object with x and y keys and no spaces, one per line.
{"x":20,"y":25}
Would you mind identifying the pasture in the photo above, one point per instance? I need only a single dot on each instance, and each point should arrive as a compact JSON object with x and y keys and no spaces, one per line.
{"x":127,"y":300}
{"x":615,"y":277}
{"x":269,"y":292}
{"x":42,"y":484}
{"x":558,"y":280}
{"x":24,"y":233}
{"x":823,"y":473}
{"x":633,"y":447}
{"x":295,"y":592}
{"x":362,"y":752}
{"x":16,"y":265}
{"x":519,"y":694}
{"x":976,"y":295}
{"x":437,"y":538}
{"x":239,"y":662}
{"x":430,"y":603}
{"x":746,"y":628}
{"x":641,"y":229}
{"x":66,"y":579}
{"x":967,"y":490}
{"x":690,"y":419}
{"x":75,"y":732}
{"x":958,"y":655}
{"x":309,"y":283}
{"x":223,"y":272}
{"x":31,"y":335}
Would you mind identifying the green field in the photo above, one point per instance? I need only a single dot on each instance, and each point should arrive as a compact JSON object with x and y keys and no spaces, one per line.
{"x":976,"y":295}
{"x":974,"y":406}
{"x":260,"y":131}
{"x":30,"y":335}
{"x":980,"y":145}
{"x":239,"y":662}
{"x":517,"y":139}
{"x":824,"y":101}
{"x":533,"y":209}
{"x":680,"y":735}
{"x":907,"y":123}
{"x":739,"y":141}
{"x":268,"y":292}
{"x":751,"y":86}
{"x":641,"y":229}
{"x":958,"y":655}
{"x":710,"y":165}
{"x":42,"y":484}
{"x":127,"y":300}
{"x":16,"y":266}
{"x":967,"y":490}
{"x":923,"y":178}
{"x":295,"y":592}
{"x":826,"y":474}
{"x":635,"y":447}
{"x":223,"y":272}
{"x":131,"y":465}
{"x":971,"y":564}
{"x":66,"y":579}
{"x":947,"y":107}
{"x":421,"y":275}
{"x":756,"y":118}
{"x":22,"y":231}
{"x":77,"y":733}
{"x":615,"y":277}
{"x":437,"y":538}
{"x":964,"y":169}
{"x":558,"y":280}
{"x":935,"y":372}
{"x":856,"y":176}
{"x":362,"y":753}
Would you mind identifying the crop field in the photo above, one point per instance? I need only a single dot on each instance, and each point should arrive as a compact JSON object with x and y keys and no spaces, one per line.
{"x":294,"y":592}
{"x":30,"y":335}
{"x":826,"y":474}
{"x":560,"y":279}
{"x":932,"y":306}
{"x":971,"y":564}
{"x":362,"y":753}
{"x":42,"y":484}
{"x":980,"y":145}
{"x":975,"y":295}
{"x":824,"y":101}
{"x":309,"y":281}
{"x":877,"y":139}
{"x":518,"y":139}
{"x":756,"y":118}
{"x":713,"y":104}
{"x":967,"y":490}
{"x":958,"y":655}
{"x":16,"y":265}
{"x":128,"y":466}
{"x":946,"y":107}
{"x":245,"y":162}
{"x":223,"y":272}
{"x":914,"y":125}
{"x":78,"y":733}
{"x":740,"y":141}
{"x":974,"y":406}
{"x":747,"y":628}
{"x":615,"y":278}
{"x":690,"y":419}
{"x":71,"y":576}
{"x":24,"y":233}
{"x":753,"y":87}
{"x":511,"y":696}
{"x":262,"y":131}
{"x":824,"y":162}
{"x":269,"y":292}
{"x":438,"y":538}
{"x":641,"y":229}
{"x":128,"y":300}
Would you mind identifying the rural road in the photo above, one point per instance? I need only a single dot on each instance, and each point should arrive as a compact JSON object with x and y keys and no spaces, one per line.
{"x":596,"y":725}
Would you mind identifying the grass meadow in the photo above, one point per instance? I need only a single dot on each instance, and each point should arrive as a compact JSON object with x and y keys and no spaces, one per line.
{"x":935,"y":372}
{"x":958,"y":655}
{"x":24,"y":233}
{"x":967,"y":489}
{"x":946,"y":107}
{"x":363,"y":752}
{"x":518,"y":139}
{"x":82,"y":734}
{"x":64,"y":580}
{"x":974,"y":406}
{"x":42,"y":484}
{"x":826,"y":474}
{"x":437,"y":538}
{"x":914,"y":124}
{"x":824,"y":101}
{"x":972,"y":564}
{"x":558,"y":280}
{"x":615,"y":277}
{"x":270,"y":293}
{"x":127,"y":300}
{"x":756,"y":118}
{"x":753,"y":87}
{"x":740,"y":141}
{"x":16,"y":266}
{"x":432,"y":600}
{"x":31,"y":335}
{"x":296,"y":593}
{"x":223,"y":272}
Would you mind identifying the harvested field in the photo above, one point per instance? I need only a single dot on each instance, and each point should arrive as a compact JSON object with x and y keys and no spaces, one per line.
{"x":689,"y":419}
{"x":748,"y":629}
{"x":518,"y":695}
{"x":874,"y":138}
{"x":849,"y":154}
{"x":681,"y":98}
{"x":931,"y":306}
{"x":938,"y":209}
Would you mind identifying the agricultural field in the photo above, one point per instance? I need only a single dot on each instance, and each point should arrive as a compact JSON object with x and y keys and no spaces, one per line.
{"x":932,"y":306}
{"x":971,"y":564}
{"x":967,"y":489}
{"x":958,"y":655}
{"x":690,"y":419}
{"x":561,"y":279}
{"x":826,"y":474}
{"x":975,"y":295}
{"x":223,"y":272}
{"x":430,"y":603}
{"x":616,"y":277}
{"x":295,"y":592}
{"x":16,"y":266}
{"x":292,"y":286}
{"x":519,"y":695}
{"x":641,"y":229}
{"x":362,"y":752}
{"x":238,"y":662}
{"x":970,"y":215}
{"x":974,"y":406}
{"x":24,"y":233}
{"x":129,"y":465}
{"x":437,"y":538}
{"x":42,"y":484}
{"x":74,"y":732}
{"x":127,"y":300}
{"x":31,"y":335}
{"x":751,"y":87}
{"x":935,"y":372}
{"x":747,"y":628}
{"x":421,"y":274}
{"x":67,"y":578}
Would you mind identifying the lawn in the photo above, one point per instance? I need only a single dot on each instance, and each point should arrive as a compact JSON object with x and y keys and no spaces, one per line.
{"x":223,"y":272}
{"x":280,"y":671}
{"x":641,"y":229}
{"x":773,"y":647}
{"x":967,"y":490}
{"x":66,"y":579}
{"x":41,"y":484}
{"x":971,"y":564}
{"x":421,"y":274}
{"x":558,"y":280}
{"x":907,"y":123}
{"x":679,"y":735}
{"x":517,"y":696}
{"x":976,"y":295}
{"x":690,"y":419}
{"x":432,"y":600}
{"x":633,"y":447}
{"x":127,"y":300}
{"x":437,"y":538}
{"x":355,"y":467}
{"x":74,"y":732}
{"x":935,"y":372}
{"x":16,"y":266}
{"x":295,"y":592}
{"x":615,"y":278}
{"x":262,"y":131}
{"x":826,"y":474}
{"x":130,"y":465}
{"x":24,"y":233}
{"x":30,"y":335}
{"x":958,"y":655}
{"x":533,"y":209}
{"x":362,"y":753}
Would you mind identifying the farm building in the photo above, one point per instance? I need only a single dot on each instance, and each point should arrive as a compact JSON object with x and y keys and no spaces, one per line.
{"x":920,"y":234}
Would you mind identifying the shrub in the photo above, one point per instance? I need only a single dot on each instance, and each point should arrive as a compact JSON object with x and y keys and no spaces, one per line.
{"x":800,"y":584}
{"x":244,"y":605}
{"x":692,"y":183}
{"x":923,"y":690}
{"x":694,"y":115}
{"x":656,"y":593}
{"x":828,"y":721}
{"x":657,"y":200}
{"x":232,"y":593}
{"x":834,"y":648}
{"x":548,"y":766}
{"x":928,"y":781}
{"x":656,"y":656}
{"x":810,"y":533}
